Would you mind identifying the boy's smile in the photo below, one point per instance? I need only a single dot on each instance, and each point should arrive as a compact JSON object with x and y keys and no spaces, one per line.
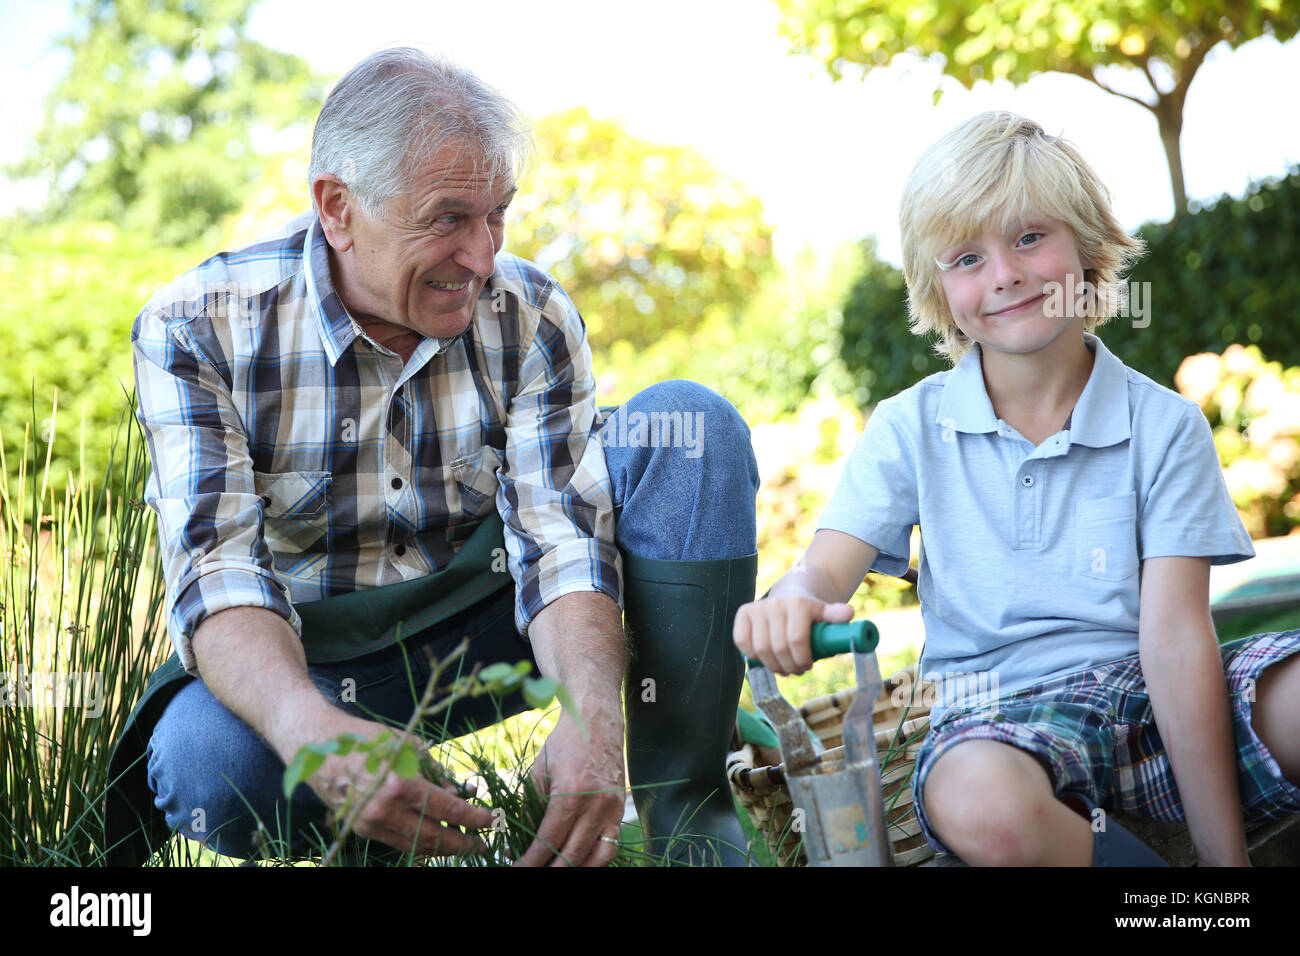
{"x":998,"y":284}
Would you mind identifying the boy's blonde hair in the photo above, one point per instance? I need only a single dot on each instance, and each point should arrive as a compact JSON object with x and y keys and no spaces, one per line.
{"x":993,"y":171}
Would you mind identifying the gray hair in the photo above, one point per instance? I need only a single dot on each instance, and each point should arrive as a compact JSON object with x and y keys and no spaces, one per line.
{"x":398,"y":107}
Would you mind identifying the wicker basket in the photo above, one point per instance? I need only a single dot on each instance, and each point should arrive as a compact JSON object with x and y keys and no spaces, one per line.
{"x":758,"y":781}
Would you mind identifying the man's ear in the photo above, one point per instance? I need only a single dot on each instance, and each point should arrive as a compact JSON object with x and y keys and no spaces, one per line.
{"x":336,"y":205}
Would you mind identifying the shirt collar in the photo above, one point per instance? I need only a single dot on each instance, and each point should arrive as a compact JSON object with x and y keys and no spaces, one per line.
{"x":1100,"y":416}
{"x":338,"y":329}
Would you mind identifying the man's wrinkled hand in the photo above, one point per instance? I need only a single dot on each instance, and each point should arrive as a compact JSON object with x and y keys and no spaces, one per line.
{"x":582,"y":782}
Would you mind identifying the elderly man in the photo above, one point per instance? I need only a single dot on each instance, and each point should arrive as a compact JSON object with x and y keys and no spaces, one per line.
{"x":336,"y":416}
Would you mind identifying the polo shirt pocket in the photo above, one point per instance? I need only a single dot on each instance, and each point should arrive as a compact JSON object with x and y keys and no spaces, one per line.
{"x":476,"y":479}
{"x":295,"y":507}
{"x":1106,"y":537}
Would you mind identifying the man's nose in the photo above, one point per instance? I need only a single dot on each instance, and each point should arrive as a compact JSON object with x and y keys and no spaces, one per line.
{"x":479,"y":249}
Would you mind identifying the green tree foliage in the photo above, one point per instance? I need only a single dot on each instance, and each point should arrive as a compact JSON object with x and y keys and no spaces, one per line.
{"x":71,"y":294}
{"x":877,"y":347}
{"x":782,"y":349}
{"x":153,"y":127}
{"x":645,"y":237}
{"x":1163,"y":43}
{"x":1224,"y":273}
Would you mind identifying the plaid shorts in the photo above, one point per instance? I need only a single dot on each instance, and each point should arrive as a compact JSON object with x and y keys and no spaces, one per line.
{"x":1095,"y":733}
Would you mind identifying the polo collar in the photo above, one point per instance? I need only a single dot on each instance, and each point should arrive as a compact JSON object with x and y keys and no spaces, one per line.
{"x":1100,"y":416}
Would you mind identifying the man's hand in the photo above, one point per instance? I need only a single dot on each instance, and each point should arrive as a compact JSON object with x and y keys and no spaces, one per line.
{"x":414,"y":816}
{"x":578,"y":641}
{"x":275,"y":696}
{"x":583,"y":785}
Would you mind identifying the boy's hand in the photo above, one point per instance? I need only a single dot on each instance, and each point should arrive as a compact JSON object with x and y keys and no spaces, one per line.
{"x":777,"y":630}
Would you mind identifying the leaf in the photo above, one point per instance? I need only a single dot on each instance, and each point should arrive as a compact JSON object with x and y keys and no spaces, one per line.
{"x":305,"y":763}
{"x":539,"y":691}
{"x":495,"y":673}
{"x":407,"y":764}
{"x":372,"y":762}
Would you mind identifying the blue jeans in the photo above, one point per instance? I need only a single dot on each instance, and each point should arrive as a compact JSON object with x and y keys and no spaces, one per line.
{"x":680,"y":493}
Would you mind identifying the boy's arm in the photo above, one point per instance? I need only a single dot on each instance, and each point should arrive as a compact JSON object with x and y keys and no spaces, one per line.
{"x":1184,"y":676}
{"x":776,"y":629}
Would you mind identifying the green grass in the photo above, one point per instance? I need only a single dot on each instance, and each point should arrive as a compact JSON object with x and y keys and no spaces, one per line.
{"x":81,"y":597}
{"x":1259,"y":622}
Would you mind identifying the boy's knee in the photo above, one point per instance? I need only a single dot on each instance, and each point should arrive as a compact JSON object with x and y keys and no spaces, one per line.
{"x":989,"y":802}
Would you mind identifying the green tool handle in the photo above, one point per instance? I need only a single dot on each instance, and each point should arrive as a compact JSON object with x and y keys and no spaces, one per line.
{"x":860,"y":637}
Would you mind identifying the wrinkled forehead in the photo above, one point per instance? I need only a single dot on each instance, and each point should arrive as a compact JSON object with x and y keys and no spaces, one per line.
{"x":459,"y":170}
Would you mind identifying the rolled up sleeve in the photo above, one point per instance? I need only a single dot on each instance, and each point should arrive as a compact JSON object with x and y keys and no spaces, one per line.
{"x":555,"y":494}
{"x":210,"y":519}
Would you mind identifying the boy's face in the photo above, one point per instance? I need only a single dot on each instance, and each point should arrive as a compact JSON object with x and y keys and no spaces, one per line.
{"x":1015,"y":291}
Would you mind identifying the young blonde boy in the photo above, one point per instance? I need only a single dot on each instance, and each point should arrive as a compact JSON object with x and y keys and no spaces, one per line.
{"x":1070,"y":509}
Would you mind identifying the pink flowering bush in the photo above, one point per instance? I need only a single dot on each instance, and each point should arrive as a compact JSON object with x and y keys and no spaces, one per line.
{"x":1254,"y":409}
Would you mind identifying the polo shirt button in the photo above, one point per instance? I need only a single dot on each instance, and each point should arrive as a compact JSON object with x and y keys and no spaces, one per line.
{"x":1027,"y":481}
{"x":397,"y":483}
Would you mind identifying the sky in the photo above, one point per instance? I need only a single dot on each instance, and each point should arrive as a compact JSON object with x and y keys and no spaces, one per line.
{"x":827,"y":159}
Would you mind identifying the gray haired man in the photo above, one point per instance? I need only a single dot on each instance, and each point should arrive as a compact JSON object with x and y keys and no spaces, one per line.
{"x":351,"y":424}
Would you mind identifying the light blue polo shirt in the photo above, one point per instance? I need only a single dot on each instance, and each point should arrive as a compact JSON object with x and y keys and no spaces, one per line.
{"x":1030,"y":556}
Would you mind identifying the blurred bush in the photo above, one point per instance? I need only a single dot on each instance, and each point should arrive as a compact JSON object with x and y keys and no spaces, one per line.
{"x":1254,"y":409}
{"x":1224,"y":274}
{"x":71,"y":294}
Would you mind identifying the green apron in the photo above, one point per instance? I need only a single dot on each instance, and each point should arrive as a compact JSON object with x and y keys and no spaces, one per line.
{"x":334,"y":629}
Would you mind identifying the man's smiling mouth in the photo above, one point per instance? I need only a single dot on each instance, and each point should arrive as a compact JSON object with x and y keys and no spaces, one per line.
{"x":447,"y":286}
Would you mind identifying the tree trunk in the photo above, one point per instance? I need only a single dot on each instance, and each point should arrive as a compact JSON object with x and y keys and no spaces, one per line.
{"x":1169,"y":118}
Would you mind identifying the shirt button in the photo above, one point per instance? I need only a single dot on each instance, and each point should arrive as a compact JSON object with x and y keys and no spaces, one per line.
{"x":1027,"y":481}
{"x":400,"y":550}
{"x":397,"y":482}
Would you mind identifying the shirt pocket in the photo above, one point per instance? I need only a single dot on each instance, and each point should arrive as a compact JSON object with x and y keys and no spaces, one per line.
{"x":476,"y":478}
{"x":1106,"y":537}
{"x":295,"y":506}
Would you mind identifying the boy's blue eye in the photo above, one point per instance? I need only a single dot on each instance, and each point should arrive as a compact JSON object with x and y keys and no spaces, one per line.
{"x":1032,"y":236}
{"x":967,"y":260}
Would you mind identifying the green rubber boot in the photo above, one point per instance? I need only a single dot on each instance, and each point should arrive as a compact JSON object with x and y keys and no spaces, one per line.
{"x":683,"y":686}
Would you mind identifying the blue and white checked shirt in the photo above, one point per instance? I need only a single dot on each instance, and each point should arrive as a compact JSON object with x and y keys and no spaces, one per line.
{"x":294,"y":459}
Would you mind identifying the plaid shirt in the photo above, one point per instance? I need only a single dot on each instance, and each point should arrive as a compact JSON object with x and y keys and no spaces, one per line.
{"x":294,"y":459}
